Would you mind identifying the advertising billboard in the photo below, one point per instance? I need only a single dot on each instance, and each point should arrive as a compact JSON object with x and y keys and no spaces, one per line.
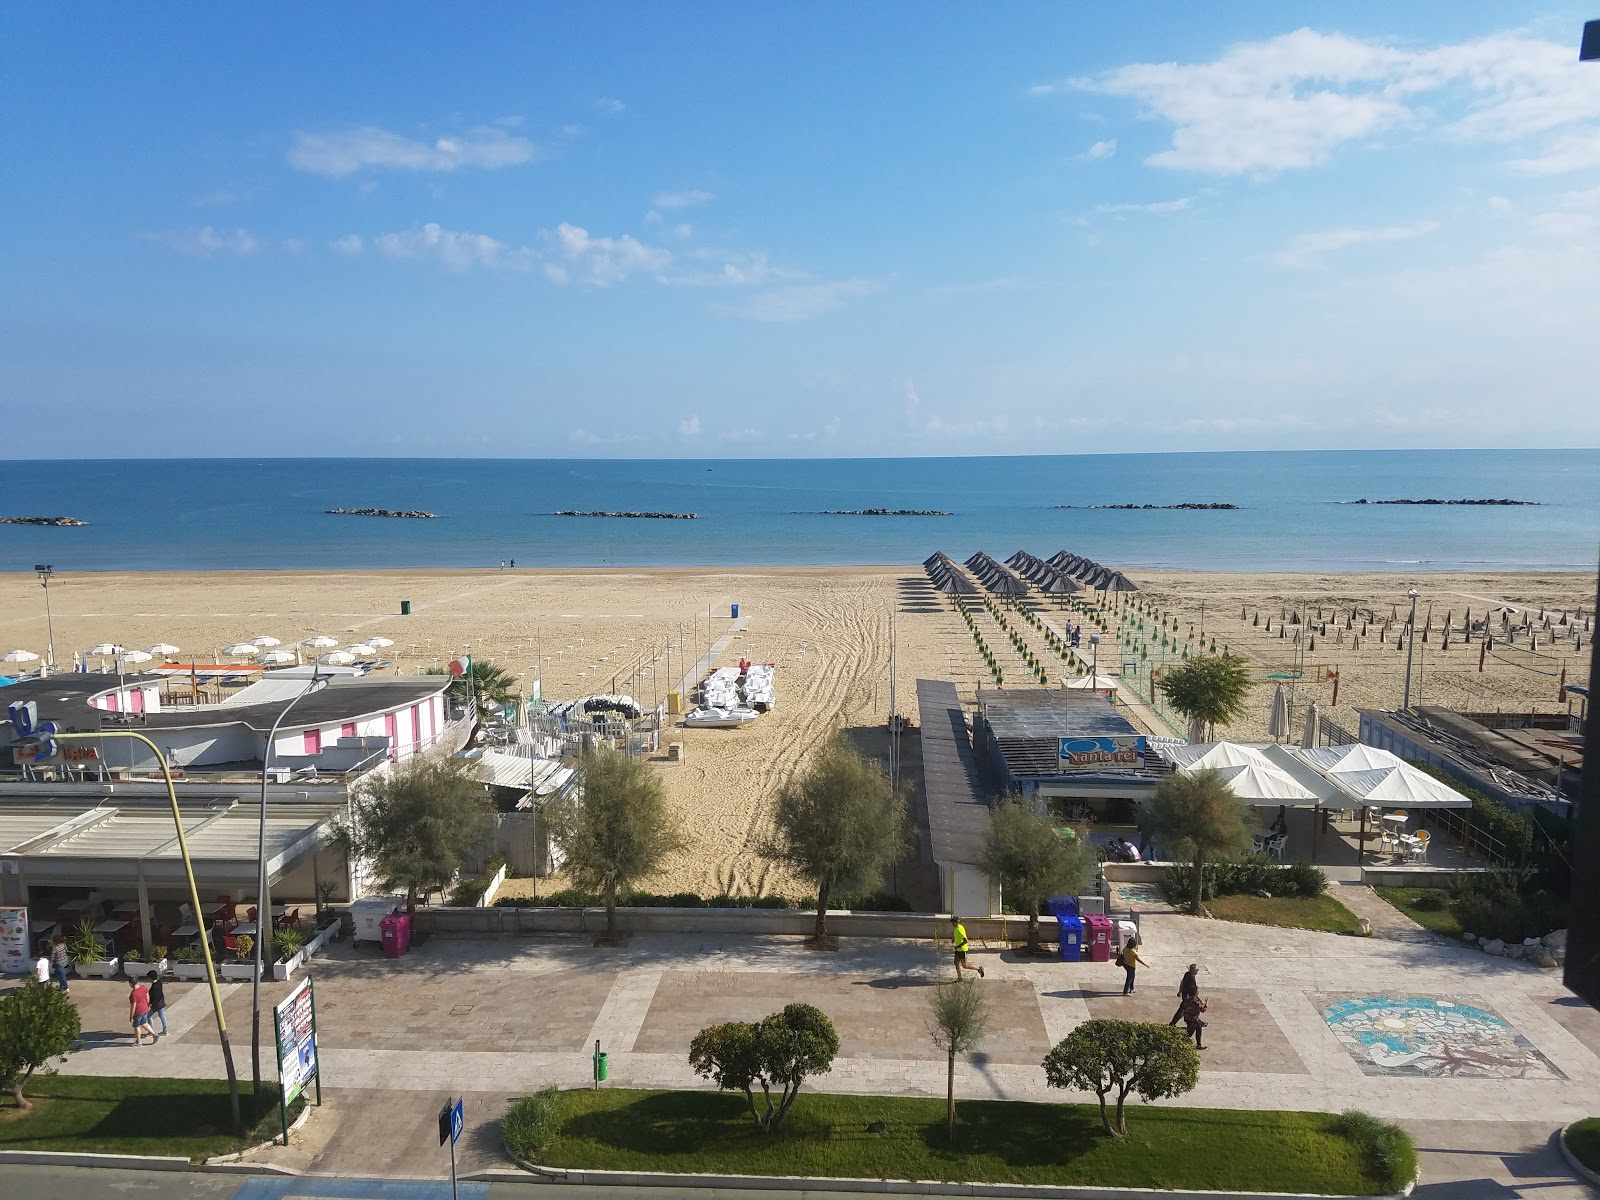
{"x":1124,"y":752}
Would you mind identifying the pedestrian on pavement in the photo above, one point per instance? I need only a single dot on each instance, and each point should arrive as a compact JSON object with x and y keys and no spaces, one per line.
{"x":958,"y":937}
{"x":139,"y":1011}
{"x":1131,"y":962}
{"x":1193,"y":1024}
{"x":1188,"y":986}
{"x":41,"y":968}
{"x":60,"y":960}
{"x":158,"y":1001}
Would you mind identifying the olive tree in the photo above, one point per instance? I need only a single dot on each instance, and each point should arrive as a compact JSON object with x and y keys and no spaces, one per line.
{"x":1023,"y":853}
{"x":615,"y":829}
{"x":780,"y":1051}
{"x":1124,"y":1058}
{"x":958,"y":1019}
{"x":37,"y":1025}
{"x":838,"y":824}
{"x":1210,"y":689}
{"x":1197,"y":817}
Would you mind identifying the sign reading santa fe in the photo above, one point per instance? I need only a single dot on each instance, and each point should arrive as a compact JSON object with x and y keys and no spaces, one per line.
{"x":1102,"y":753}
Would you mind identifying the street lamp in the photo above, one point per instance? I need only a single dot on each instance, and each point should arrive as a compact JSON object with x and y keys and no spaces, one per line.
{"x":45,"y":570}
{"x":1094,"y":663}
{"x":1411,"y":642}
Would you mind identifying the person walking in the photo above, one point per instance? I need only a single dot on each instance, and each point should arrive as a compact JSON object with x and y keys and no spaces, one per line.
{"x":1131,"y":962}
{"x":1188,"y":986}
{"x":60,"y":961}
{"x":41,"y":968}
{"x":139,"y":1012}
{"x":158,"y":1002}
{"x":1193,"y":1023}
{"x":958,"y":938}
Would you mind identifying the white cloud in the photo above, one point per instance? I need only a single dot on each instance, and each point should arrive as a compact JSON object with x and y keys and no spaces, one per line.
{"x":454,"y":249}
{"x":296,"y":245}
{"x":690,"y":426}
{"x":1500,"y":204}
{"x":349,"y":245}
{"x":1103,"y":149}
{"x":1308,"y":249}
{"x":587,"y":437}
{"x":604,"y":261}
{"x":740,"y":436}
{"x":1573,"y":215}
{"x":802,"y":301}
{"x":352,"y":150}
{"x":683,"y":230}
{"x":1291,"y":101}
{"x":682,"y":199}
{"x":209,"y":242}
{"x":609,"y":104}
{"x":1155,"y":208}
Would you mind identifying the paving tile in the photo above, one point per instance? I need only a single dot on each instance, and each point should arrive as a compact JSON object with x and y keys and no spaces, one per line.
{"x":1240,"y":1034}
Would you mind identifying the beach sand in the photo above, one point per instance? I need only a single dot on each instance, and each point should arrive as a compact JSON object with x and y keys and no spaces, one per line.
{"x":827,"y":629}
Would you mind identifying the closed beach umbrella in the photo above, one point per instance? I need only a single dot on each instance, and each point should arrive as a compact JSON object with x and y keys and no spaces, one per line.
{"x":265,"y":641}
{"x":19,"y":656}
{"x":1308,"y":739}
{"x":242,"y":650}
{"x":1278,"y":723}
{"x":321,"y":642}
{"x":278,"y":658}
{"x":361,"y":650}
{"x":1197,"y":731}
{"x":382,"y":643}
{"x":338,"y":658}
{"x":161,"y":648}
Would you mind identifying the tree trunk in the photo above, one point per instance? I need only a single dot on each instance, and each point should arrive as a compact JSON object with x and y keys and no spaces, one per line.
{"x":1122,"y":1124}
{"x":411,"y":898}
{"x":950,"y":1101}
{"x":1105,"y":1118}
{"x":822,"y":910}
{"x":16,"y":1094}
{"x":1033,"y":927}
{"x":611,"y":915}
{"x":1196,"y":894}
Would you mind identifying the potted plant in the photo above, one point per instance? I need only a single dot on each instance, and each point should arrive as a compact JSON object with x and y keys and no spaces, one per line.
{"x":158,"y":959}
{"x":189,"y":963}
{"x":286,"y":944}
{"x":133,"y":963}
{"x":89,"y":954}
{"x":243,"y":966}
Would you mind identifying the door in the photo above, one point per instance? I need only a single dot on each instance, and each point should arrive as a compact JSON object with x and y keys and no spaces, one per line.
{"x":389,"y":732}
{"x":416,"y":729}
{"x":313,"y":741}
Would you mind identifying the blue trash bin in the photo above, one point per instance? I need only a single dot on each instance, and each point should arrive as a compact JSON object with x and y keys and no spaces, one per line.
{"x":1071,"y":937}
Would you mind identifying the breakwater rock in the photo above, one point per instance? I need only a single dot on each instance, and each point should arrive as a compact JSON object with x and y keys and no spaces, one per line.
{"x":1496,"y":503}
{"x":643,"y":516}
{"x":885,"y":512}
{"x":413,"y":513}
{"x":41,"y":521}
{"x":1188,"y":507}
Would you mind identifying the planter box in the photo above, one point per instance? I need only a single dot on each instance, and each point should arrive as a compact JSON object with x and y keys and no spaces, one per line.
{"x":242,"y":972}
{"x":195,"y":972}
{"x":100,"y":968}
{"x":139,"y":969}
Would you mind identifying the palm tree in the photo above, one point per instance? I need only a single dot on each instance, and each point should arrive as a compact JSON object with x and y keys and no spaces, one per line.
{"x":1210,"y":689}
{"x":489,"y":683}
{"x":1198,"y":817}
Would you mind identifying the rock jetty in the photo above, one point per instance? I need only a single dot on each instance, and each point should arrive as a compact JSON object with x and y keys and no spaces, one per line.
{"x":885,"y":512}
{"x":1508,"y":503}
{"x":1187,"y":507}
{"x":643,"y":516}
{"x":41,"y":521}
{"x":413,"y":513}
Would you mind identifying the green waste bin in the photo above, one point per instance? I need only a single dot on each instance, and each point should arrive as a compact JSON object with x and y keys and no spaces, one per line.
{"x":602,"y":1065}
{"x":405,"y":608}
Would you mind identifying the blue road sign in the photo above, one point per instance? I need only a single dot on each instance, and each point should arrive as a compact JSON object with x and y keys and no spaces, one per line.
{"x":457,"y":1120}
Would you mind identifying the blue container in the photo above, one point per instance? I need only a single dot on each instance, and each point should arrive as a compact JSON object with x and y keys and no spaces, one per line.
{"x":735,"y":612}
{"x":1062,"y":906}
{"x":1071,"y":937}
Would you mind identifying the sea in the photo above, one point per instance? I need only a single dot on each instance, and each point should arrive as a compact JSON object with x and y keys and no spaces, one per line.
{"x":1295,"y":511}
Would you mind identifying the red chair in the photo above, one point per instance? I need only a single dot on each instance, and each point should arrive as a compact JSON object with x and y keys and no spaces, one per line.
{"x":230,"y":943}
{"x":253,"y":915}
{"x":291,"y":916}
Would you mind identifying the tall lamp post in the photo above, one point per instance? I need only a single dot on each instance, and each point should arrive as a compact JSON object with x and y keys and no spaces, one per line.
{"x":263,"y":900}
{"x":45,"y":571}
{"x":1094,"y":661}
{"x":1411,"y":642}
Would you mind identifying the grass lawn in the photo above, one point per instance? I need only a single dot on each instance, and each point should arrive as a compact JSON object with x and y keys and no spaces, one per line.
{"x":1583,"y":1139}
{"x":997,"y":1141}
{"x":113,"y":1115}
{"x":1440,"y":920}
{"x":1292,"y":912}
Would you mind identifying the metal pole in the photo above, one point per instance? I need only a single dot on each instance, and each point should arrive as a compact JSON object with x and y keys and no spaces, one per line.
{"x":263,"y":902}
{"x":194,"y":899}
{"x":1411,"y":642}
{"x":45,"y":571}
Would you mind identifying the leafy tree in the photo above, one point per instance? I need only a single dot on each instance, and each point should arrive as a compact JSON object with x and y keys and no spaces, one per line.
{"x":1198,"y":818}
{"x":1124,"y":1057}
{"x":416,"y":823}
{"x":616,"y":829}
{"x":1031,"y":862}
{"x":1210,"y":689}
{"x":838,"y":825}
{"x":37,"y":1024}
{"x":486,"y":681}
{"x":779,"y":1051}
{"x":958,"y":1019}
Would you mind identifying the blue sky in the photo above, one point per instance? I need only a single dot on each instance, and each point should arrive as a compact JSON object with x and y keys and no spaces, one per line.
{"x":827,"y":229}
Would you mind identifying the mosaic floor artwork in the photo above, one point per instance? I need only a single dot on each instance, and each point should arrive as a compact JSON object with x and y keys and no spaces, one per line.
{"x":1147,"y":896}
{"x":1427,"y":1036}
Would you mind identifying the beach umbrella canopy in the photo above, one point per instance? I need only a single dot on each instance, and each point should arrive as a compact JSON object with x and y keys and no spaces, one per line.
{"x":242,"y":649}
{"x":1308,"y":739}
{"x":361,"y":650}
{"x":278,"y":658}
{"x":382,"y":643}
{"x":104,"y":648}
{"x":321,"y":642}
{"x":1278,"y":722}
{"x":1007,"y":585}
{"x":1095,"y":683}
{"x":19,"y":656}
{"x":1118,"y":582}
{"x":161,"y":648}
{"x":134,"y":656}
{"x":1060,"y":585}
{"x":265,"y":640}
{"x":957,"y":585}
{"x":338,"y":658}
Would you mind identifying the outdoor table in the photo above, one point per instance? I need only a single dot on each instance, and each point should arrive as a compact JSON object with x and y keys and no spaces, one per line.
{"x":127,"y":907}
{"x":1396,"y":819}
{"x":78,"y":905}
{"x":188,"y":930}
{"x":244,"y":928}
{"x":40,"y":925}
{"x":111,"y":925}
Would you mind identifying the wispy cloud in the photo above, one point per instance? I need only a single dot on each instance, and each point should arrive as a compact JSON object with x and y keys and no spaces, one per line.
{"x":670,"y":200}
{"x":1155,"y":208}
{"x":609,"y":104}
{"x":801,"y":301}
{"x":601,"y":261}
{"x":689,"y":427}
{"x":1309,"y":249}
{"x":349,"y":245}
{"x":209,"y":242}
{"x":351,"y":150}
{"x":454,"y":249}
{"x":1103,"y":149}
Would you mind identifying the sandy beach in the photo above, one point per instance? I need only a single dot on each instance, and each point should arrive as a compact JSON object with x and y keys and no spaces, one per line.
{"x":826,"y":628}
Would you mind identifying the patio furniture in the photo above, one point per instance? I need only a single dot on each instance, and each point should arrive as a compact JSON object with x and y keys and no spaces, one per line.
{"x":187,"y":930}
{"x":1419,"y":849}
{"x":1277,"y":844}
{"x":127,"y":908}
{"x":243,"y":929}
{"x":111,"y":925}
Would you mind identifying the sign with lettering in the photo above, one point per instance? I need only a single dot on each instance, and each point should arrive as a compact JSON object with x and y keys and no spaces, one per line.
{"x":38,"y":736}
{"x":14,"y":956}
{"x":1089,"y":754}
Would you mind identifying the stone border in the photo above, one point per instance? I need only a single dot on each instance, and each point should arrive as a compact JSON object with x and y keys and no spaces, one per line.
{"x":1582,"y":1171}
{"x":222,"y":1160}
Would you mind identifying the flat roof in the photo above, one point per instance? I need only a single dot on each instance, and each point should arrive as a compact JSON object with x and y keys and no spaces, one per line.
{"x":957,"y":802}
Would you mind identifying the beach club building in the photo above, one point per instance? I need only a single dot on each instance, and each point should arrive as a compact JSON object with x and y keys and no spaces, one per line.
{"x":89,"y":829}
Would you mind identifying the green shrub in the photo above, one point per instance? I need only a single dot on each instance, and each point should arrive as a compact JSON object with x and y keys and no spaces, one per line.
{"x":1301,"y":879}
{"x":286,"y":943}
{"x":189,"y":956}
{"x":531,"y":1122}
{"x":867,"y":902}
{"x":1390,"y":1155}
{"x":1506,"y":905}
{"x":1430,"y":900}
{"x":1249,"y":874}
{"x":84,"y":944}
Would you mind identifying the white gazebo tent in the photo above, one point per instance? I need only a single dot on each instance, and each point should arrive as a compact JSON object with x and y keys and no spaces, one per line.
{"x":1215,"y":755}
{"x":1369,"y":777}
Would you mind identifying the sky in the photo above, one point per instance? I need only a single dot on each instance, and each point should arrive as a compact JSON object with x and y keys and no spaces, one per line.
{"x":822,"y":229}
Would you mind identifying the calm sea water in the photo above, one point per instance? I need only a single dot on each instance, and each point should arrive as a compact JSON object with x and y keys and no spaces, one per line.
{"x":243,"y":514}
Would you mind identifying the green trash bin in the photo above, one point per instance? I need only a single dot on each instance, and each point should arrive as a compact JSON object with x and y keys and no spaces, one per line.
{"x":405,"y":608}
{"x":602,"y":1065}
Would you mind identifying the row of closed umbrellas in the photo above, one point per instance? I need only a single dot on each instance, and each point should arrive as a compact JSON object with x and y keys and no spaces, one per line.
{"x":1060,"y":575}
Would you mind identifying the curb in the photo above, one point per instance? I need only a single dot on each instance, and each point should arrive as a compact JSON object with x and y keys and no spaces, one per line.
{"x":235,"y":1160}
{"x":893,"y":1187}
{"x":1582,"y":1171}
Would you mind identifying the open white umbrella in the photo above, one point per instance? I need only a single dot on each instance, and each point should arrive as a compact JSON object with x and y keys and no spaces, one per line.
{"x":321,"y":642}
{"x":161,"y":648}
{"x":338,"y":658}
{"x":242,"y":650}
{"x":135,"y":656}
{"x":104,"y":649}
{"x":1278,"y":723}
{"x":19,"y":656}
{"x":381,"y":643}
{"x":278,"y":658}
{"x":361,"y":650}
{"x":265,"y":640}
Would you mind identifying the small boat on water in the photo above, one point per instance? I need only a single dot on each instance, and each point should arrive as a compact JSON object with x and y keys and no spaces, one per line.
{"x":721,"y":718}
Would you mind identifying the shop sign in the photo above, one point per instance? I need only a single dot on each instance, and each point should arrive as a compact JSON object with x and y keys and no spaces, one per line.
{"x":1086,"y":754}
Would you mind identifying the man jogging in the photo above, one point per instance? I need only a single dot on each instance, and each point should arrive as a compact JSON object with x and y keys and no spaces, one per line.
{"x":958,"y":936}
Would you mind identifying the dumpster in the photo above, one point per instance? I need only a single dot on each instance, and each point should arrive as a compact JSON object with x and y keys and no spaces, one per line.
{"x":367,"y":915}
{"x":1097,"y":938}
{"x":395,"y":933}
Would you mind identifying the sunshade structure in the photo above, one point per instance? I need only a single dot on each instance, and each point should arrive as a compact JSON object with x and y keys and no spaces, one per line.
{"x":265,"y":641}
{"x":338,"y":658}
{"x":1118,"y":582}
{"x":1373,"y":777}
{"x":382,"y":643}
{"x":1059,"y":585}
{"x":161,"y":648}
{"x":957,"y":585}
{"x":1094,"y":683}
{"x":1003,"y":583}
{"x":242,"y":649}
{"x":19,"y":656}
{"x":1214,"y":756}
{"x":1278,"y":722}
{"x":321,"y":642}
{"x":278,"y":658}
{"x":1256,"y":775}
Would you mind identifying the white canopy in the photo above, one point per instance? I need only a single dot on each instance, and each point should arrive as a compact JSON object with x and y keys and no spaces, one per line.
{"x":1216,"y":755}
{"x":1370,"y":776}
{"x":1353,"y":757}
{"x":242,"y":649}
{"x":1095,"y":683}
{"x":1263,"y":784}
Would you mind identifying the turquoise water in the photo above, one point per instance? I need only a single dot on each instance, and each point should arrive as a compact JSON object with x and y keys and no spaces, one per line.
{"x":1294,"y":512}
